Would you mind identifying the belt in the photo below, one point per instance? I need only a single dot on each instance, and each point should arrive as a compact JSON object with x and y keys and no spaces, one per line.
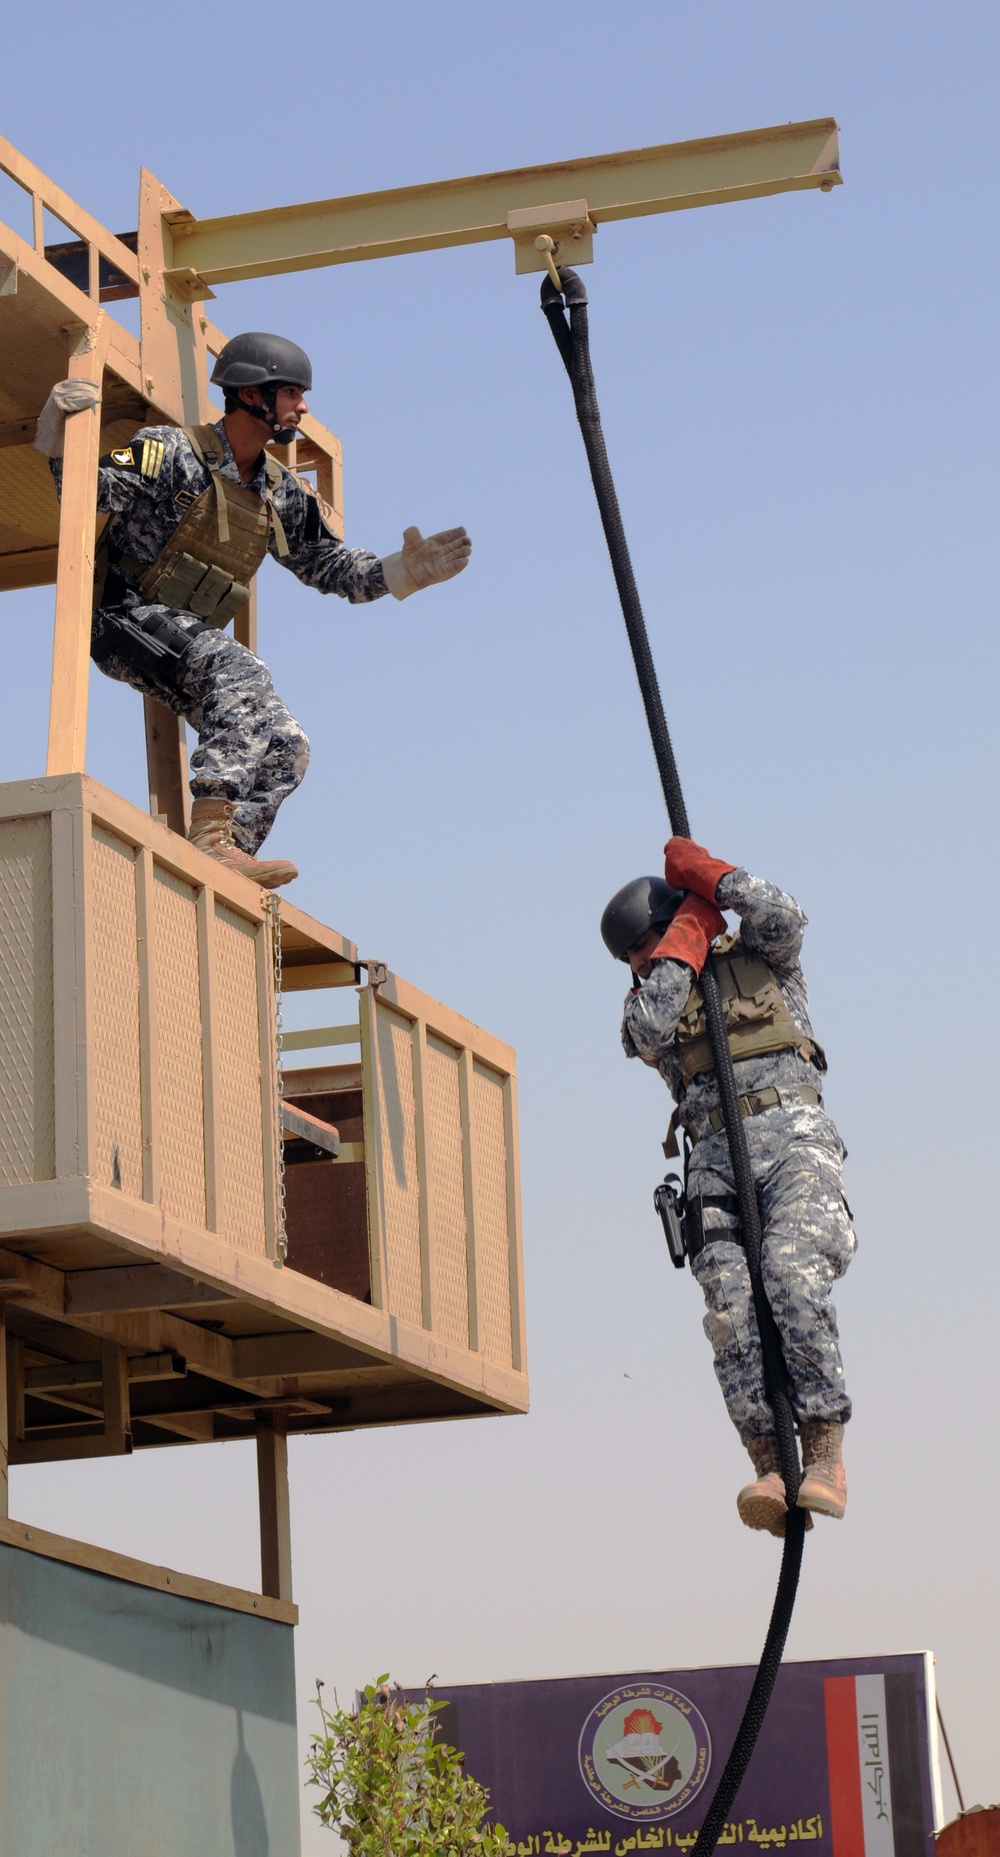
{"x":760,"y":1100}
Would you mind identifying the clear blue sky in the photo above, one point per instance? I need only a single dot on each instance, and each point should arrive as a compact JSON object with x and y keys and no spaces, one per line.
{"x":800,"y":402}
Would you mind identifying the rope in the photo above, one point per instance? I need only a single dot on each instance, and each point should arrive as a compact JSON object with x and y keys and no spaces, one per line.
{"x":573,"y":342}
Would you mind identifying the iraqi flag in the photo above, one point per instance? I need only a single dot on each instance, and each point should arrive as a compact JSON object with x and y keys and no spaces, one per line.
{"x":873,"y":1754}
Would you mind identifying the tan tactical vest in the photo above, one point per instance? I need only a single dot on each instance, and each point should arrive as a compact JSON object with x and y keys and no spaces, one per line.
{"x":757,"y":1018}
{"x":213,"y":554}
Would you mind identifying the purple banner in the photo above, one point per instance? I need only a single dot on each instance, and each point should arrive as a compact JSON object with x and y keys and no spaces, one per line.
{"x":845,"y":1760}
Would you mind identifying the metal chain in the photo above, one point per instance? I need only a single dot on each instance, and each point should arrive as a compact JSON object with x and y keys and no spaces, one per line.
{"x":273,"y":904}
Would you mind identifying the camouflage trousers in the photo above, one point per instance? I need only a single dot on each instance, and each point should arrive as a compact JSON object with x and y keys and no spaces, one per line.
{"x":808,"y":1242}
{"x":250,"y":748}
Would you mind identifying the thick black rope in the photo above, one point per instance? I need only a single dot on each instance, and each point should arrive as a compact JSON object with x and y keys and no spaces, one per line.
{"x":572,"y":340}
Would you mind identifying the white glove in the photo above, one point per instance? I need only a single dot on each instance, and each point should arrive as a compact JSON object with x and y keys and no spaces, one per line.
{"x":67,"y":396}
{"x":422,"y":561}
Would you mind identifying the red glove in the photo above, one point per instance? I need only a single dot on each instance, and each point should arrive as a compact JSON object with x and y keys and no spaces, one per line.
{"x":689,"y":867}
{"x":691,"y":933}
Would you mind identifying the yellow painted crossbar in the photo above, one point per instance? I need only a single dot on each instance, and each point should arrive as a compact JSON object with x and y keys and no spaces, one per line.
{"x":470,"y":210}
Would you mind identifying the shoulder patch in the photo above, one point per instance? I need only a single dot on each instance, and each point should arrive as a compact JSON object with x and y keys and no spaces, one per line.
{"x":144,"y":455}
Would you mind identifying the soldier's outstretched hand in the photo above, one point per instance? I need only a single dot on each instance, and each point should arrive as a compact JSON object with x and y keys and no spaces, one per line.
{"x":423,"y":560}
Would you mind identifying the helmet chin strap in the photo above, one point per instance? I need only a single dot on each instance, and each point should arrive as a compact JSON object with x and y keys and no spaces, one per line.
{"x":280,"y":435}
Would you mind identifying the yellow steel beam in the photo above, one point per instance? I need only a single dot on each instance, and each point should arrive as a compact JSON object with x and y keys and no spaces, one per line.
{"x":467,"y":211}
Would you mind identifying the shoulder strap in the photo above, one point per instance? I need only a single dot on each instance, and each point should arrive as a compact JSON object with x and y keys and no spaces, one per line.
{"x":274,"y":473}
{"x":206,"y":445}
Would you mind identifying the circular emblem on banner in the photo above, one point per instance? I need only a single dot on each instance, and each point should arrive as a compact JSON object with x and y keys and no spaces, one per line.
{"x":645,"y":1751}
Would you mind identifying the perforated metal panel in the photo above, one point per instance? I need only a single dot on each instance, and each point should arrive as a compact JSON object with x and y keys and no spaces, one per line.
{"x":237,"y":1077}
{"x":397,"y":1116}
{"x":27,"y":1100}
{"x":492,"y":1238}
{"x":117,"y":1091}
{"x":179,"y":1072}
{"x":446,"y":1166}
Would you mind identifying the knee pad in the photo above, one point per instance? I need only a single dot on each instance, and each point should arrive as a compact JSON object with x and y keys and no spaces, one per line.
{"x":721,"y":1332}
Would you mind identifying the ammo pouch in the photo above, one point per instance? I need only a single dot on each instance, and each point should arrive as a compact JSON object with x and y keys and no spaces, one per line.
{"x":195,"y":587}
{"x":157,"y":648}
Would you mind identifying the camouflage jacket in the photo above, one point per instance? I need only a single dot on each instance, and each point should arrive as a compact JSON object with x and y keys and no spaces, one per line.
{"x":147,"y":485}
{"x":772,"y":926}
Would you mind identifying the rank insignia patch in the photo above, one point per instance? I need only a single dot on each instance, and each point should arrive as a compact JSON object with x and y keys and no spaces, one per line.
{"x":152,"y":457}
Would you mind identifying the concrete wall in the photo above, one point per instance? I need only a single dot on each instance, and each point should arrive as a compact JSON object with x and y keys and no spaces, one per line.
{"x":137,"y":1723}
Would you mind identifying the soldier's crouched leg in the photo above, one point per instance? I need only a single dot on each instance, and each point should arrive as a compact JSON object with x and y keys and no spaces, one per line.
{"x":250,"y":748}
{"x":280,"y":772}
{"x":808,"y":1243}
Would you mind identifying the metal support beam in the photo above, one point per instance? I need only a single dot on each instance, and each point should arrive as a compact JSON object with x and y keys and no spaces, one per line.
{"x":476,"y":208}
{"x":275,"y":1518}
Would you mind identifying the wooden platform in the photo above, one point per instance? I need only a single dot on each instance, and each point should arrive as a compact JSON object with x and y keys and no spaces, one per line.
{"x":140,"y":1150}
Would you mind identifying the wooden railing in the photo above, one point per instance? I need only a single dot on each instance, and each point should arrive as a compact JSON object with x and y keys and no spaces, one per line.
{"x":119,"y":274}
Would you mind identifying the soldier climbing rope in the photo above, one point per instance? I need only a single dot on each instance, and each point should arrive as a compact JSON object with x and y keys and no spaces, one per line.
{"x":566,"y":310}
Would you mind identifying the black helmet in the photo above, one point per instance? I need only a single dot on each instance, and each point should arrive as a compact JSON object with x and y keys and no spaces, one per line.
{"x":256,"y":360}
{"x":645,"y":903}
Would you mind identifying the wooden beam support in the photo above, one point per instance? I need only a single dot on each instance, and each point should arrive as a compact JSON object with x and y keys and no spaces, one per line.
{"x":265,"y":1357}
{"x":140,"y":1573}
{"x":134,"y":1286}
{"x":5,"y":1417}
{"x":60,"y":1376}
{"x":58,"y":1450}
{"x":75,"y":572}
{"x":114,"y":1378}
{"x":196,"y":1427}
{"x":275,"y":1518}
{"x":174,"y":373}
{"x":167,"y":766}
{"x":625,"y":185}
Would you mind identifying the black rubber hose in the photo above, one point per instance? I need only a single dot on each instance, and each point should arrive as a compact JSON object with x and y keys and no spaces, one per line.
{"x":573,"y":342}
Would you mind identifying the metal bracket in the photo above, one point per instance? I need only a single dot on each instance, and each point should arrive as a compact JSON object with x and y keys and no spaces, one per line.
{"x":567,"y":224}
{"x":378,"y":973}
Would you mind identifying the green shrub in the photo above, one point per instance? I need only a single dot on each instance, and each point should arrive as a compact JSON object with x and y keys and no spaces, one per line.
{"x":391,"y":1788}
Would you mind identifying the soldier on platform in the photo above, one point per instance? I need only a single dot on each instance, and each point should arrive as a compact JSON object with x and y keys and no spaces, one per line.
{"x":192,"y":512}
{"x":665,"y":930}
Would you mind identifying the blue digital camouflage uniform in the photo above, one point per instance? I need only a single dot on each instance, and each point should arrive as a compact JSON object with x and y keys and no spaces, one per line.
{"x":250,"y":748}
{"x":796,"y":1155}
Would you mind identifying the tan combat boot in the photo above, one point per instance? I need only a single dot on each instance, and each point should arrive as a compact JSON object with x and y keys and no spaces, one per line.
{"x":212,"y":832}
{"x":762,"y":1504}
{"x":824,"y":1482}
